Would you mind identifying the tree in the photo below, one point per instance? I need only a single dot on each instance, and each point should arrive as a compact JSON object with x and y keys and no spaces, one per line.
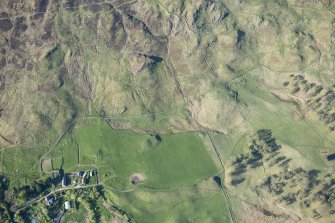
{"x":18,"y":217}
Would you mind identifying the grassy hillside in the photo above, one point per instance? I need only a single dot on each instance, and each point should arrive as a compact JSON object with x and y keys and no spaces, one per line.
{"x":170,"y":93}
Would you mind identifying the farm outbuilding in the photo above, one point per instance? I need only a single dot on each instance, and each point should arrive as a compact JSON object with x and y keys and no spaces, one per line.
{"x":48,"y":200}
{"x":64,"y":182}
{"x":67,"y":205}
{"x":83,"y":181}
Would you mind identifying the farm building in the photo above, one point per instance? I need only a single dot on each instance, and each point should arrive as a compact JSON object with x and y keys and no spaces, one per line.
{"x":67,"y":205}
{"x":83,"y":181}
{"x":48,"y":200}
{"x":64,"y":181}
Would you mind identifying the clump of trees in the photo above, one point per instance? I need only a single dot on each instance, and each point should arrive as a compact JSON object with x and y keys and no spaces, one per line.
{"x":45,"y":213}
{"x":265,"y":141}
{"x":238,"y":180}
{"x":12,"y":198}
{"x":88,"y":199}
{"x":217,"y":180}
{"x":5,"y":214}
{"x":20,"y":195}
{"x":262,"y":144}
{"x":316,"y":214}
{"x":303,"y":186}
{"x":289,"y":198}
{"x":18,"y":216}
{"x":319,"y":99}
{"x":88,"y":205}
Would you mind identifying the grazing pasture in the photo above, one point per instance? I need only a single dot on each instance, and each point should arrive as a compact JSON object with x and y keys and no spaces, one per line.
{"x":178,"y":159}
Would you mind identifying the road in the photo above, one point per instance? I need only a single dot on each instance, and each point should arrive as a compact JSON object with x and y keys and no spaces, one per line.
{"x":36,"y":200}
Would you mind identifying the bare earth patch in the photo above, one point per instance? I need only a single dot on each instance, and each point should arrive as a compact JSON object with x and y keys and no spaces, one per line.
{"x":46,"y":165}
{"x":136,"y":178}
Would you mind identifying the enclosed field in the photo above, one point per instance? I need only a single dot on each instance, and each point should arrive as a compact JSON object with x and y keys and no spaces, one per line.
{"x":163,"y":161}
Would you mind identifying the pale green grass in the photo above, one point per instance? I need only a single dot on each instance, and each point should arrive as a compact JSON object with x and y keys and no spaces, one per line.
{"x":21,"y":165}
{"x":178,"y":206}
{"x":265,"y":111}
{"x":230,"y":146}
{"x":67,"y":148}
{"x":57,"y":163}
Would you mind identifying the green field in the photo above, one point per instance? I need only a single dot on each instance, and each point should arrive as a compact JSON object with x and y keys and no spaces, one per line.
{"x":175,"y":206}
{"x":67,"y":148}
{"x":171,"y":168}
{"x":179,"y":159}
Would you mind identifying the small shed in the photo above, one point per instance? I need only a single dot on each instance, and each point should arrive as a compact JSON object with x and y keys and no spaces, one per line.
{"x":64,"y":181}
{"x":83,"y":181}
{"x":67,"y":205}
{"x":48,"y":200}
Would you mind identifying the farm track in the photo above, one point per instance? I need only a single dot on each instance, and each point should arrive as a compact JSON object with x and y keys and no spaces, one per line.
{"x":36,"y":200}
{"x":223,"y":188}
